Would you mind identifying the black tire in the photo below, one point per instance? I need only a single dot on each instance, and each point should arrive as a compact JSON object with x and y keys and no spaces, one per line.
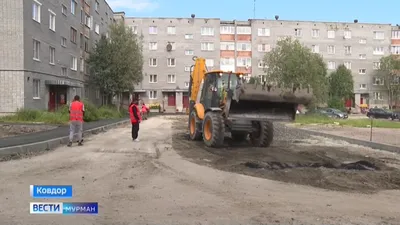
{"x":194,"y":135}
{"x":213,"y":129}
{"x":239,"y":135}
{"x":264,"y":136}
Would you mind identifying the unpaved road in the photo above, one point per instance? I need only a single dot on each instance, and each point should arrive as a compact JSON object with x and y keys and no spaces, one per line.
{"x":165,"y":179}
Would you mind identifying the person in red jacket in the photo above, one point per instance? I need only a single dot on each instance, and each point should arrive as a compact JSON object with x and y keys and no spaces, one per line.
{"x":76,"y":114}
{"x":134,"y":113}
{"x":145,"y":111}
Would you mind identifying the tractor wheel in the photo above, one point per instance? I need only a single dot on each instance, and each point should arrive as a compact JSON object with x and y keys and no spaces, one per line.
{"x":264,"y":135}
{"x":194,"y":133}
{"x":213,"y":129}
{"x":239,"y":135}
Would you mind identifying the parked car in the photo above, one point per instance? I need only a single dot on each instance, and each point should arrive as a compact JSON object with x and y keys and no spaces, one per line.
{"x":379,"y":113}
{"x":395,"y":116}
{"x":331,"y":112}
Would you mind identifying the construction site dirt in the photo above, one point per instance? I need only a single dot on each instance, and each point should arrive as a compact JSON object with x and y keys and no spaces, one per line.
{"x":296,"y":157}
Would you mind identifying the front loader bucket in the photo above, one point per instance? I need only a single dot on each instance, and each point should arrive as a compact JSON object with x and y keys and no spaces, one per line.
{"x":258,"y":102}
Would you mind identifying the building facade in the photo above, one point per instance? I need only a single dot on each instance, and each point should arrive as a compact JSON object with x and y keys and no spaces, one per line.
{"x":45,"y":45}
{"x":241,"y":45}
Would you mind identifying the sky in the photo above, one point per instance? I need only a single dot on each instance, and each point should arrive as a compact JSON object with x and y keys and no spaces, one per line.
{"x":366,"y":11}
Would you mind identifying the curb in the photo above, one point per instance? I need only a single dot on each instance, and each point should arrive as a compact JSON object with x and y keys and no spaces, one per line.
{"x":56,"y":142}
{"x":373,"y":145}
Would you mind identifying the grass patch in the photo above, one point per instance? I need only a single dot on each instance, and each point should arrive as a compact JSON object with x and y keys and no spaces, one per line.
{"x":318,"y":119}
{"x":61,"y":116}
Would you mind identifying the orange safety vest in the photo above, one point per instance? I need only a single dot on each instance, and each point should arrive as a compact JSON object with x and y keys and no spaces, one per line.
{"x":144,"y":108}
{"x":76,"y":111}
{"x":133,"y":118}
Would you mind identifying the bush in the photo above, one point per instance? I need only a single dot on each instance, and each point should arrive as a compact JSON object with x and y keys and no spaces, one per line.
{"x":61,"y":116}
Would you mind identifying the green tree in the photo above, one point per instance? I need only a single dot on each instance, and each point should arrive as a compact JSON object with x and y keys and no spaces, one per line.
{"x":341,"y":86}
{"x":291,"y":63}
{"x":389,"y":73}
{"x":116,"y":62}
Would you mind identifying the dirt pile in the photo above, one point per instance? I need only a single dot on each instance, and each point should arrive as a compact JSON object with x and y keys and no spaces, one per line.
{"x":8,"y":130}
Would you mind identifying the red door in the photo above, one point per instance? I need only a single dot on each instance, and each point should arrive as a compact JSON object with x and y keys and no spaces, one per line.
{"x":52,"y":101}
{"x":185,"y":101}
{"x":171,"y":99}
{"x":361,"y":101}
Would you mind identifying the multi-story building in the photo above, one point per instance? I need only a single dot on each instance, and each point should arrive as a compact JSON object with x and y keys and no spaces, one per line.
{"x":44,"y":45}
{"x":241,"y":45}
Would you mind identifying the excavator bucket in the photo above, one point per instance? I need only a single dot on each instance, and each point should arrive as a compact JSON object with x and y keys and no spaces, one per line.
{"x":264,"y":102}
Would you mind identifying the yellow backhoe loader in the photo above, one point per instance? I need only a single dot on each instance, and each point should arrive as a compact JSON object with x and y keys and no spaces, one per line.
{"x":221,"y":102}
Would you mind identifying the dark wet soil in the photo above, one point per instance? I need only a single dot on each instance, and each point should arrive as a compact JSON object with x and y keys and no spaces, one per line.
{"x":9,"y":130}
{"x":287,"y":160}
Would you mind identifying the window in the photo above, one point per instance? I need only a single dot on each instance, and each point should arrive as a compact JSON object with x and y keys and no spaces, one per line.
{"x":209,"y":62}
{"x":188,"y":36}
{"x":88,"y":21}
{"x":36,"y":88}
{"x":171,"y":30}
{"x":171,"y":79}
{"x":74,"y":63}
{"x":331,"y":34}
{"x":187,"y":84}
{"x":264,"y":48}
{"x":265,"y":32}
{"x":173,"y":45}
{"x":52,"y":20}
{"x":378,"y":51}
{"x":363,"y":41}
{"x":207,"y":31}
{"x":73,"y":6}
{"x":227,"y":46}
{"x":379,"y":35}
{"x":377,"y":65}
{"x":64,"y":9}
{"x":261,"y":64}
{"x":362,"y":56}
{"x":243,"y":46}
{"x":97,"y":6}
{"x":97,"y":94}
{"x":153,"y":78}
{"x":347,"y":50}
{"x":134,"y":29}
{"x":64,"y":71}
{"x":377,"y":81}
{"x":187,"y":68}
{"x":152,"y":62}
{"x":153,"y":46}
{"x":347,"y":34}
{"x":315,"y":48}
{"x":331,"y":65}
{"x":97,"y":29}
{"x":153,"y":30}
{"x":52,"y":52}
{"x":73,"y":35}
{"x":363,"y":86}
{"x":377,"y":96}
{"x":189,"y":52}
{"x":395,"y":50}
{"x":297,"y":32}
{"x":63,"y":42}
{"x":227,"y":61}
{"x":362,"y":71}
{"x":152,"y":94}
{"x":331,"y":49}
{"x":36,"y":50}
{"x":243,"y":62}
{"x":36,"y":11}
{"x":396,"y":34}
{"x":315,"y":33}
{"x":171,"y":62}
{"x":347,"y":65}
{"x":207,"y":46}
{"x":227,"y":30}
{"x":243,"y":30}
{"x":82,"y":65}
{"x":86,"y":44}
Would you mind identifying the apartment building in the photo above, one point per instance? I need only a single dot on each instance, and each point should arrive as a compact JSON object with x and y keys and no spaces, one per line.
{"x":169,"y":47}
{"x":45,"y":44}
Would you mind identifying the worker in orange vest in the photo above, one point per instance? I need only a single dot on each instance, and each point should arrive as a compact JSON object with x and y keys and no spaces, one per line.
{"x":76,"y":114}
{"x":134,"y":113}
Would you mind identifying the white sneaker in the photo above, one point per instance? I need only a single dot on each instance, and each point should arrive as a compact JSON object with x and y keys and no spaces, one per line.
{"x":136,"y":140}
